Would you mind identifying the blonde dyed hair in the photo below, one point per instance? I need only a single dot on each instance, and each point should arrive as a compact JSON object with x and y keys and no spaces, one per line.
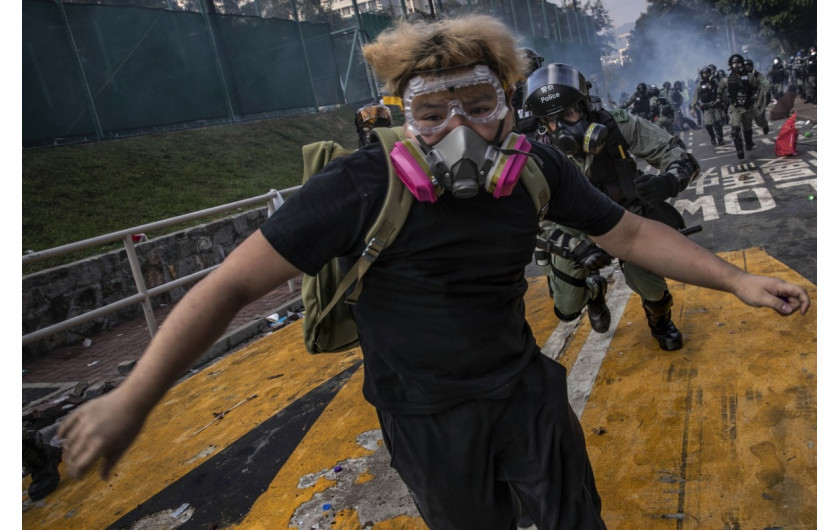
{"x":412,"y":48}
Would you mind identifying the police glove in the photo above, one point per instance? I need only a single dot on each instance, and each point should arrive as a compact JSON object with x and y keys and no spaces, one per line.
{"x":589,"y":257}
{"x":657,"y":188}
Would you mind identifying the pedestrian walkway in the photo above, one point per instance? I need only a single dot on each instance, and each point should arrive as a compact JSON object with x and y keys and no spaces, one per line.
{"x":720,"y":434}
{"x":101,"y":360}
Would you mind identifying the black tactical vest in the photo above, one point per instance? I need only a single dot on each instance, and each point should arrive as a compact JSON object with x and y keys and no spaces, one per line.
{"x":707,"y":91}
{"x":641,"y":105}
{"x":777,"y":73}
{"x":740,"y":90}
{"x":613,"y":170}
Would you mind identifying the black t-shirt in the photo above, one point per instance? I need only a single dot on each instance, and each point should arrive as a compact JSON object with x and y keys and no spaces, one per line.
{"x":441,"y":318}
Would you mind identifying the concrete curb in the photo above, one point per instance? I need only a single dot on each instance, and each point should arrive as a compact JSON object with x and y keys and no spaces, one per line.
{"x":48,"y":411}
{"x":244,"y":333}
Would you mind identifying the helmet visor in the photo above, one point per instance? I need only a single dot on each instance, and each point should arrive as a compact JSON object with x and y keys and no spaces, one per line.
{"x":433,"y":99}
{"x":554,"y":88}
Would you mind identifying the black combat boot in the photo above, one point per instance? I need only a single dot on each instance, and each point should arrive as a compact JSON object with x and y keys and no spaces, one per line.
{"x":596,"y":307}
{"x":748,"y":134}
{"x":765,"y":128}
{"x":739,"y":147}
{"x":719,"y":131}
{"x":41,"y":461}
{"x":711,"y":130}
{"x":661,"y":326}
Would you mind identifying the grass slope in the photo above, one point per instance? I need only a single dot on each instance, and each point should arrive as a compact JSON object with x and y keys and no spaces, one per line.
{"x":75,"y":192}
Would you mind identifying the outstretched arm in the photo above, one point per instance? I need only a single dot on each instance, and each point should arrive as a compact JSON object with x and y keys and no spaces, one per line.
{"x":105,"y":427}
{"x":665,"y":251}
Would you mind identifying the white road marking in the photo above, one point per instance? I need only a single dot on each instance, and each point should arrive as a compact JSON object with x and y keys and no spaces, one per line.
{"x":588,"y":363}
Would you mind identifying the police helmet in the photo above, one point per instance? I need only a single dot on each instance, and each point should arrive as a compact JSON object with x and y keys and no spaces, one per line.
{"x":777,"y":60}
{"x":712,"y":67}
{"x":735,"y":59}
{"x":372,"y":116}
{"x":641,"y":87}
{"x":653,"y":90}
{"x":554,"y":88}
{"x":748,"y":64}
{"x":666,"y":85}
{"x":678,"y":85}
{"x":534,"y":60}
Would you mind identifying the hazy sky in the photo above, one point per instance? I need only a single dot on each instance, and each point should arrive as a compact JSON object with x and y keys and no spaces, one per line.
{"x":624,"y":11}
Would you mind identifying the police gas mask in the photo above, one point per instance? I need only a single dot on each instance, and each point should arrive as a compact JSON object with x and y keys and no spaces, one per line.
{"x":462,"y":162}
{"x":572,"y":133}
{"x":559,"y":95}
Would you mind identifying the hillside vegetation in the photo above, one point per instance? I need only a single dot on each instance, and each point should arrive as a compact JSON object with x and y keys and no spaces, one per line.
{"x":75,"y":192}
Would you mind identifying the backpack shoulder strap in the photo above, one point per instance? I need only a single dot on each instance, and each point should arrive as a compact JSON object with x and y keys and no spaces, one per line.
{"x":392,"y":216}
{"x":389,"y":222}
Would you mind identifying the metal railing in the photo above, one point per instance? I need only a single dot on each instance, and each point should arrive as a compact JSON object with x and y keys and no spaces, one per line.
{"x":144,"y":295}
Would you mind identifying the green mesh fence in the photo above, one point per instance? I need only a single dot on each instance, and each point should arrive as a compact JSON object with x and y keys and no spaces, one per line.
{"x":113,"y":68}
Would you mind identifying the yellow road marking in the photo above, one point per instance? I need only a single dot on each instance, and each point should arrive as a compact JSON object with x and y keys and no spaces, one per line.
{"x":719,"y":434}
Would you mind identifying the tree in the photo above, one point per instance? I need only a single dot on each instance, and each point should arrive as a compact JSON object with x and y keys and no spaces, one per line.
{"x":673,"y":39}
{"x":789,"y":25}
{"x":603,"y":24}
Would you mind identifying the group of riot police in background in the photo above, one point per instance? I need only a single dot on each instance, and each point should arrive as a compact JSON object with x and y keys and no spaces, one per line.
{"x":738,"y":97}
{"x":802,"y":74}
{"x":666,"y":106}
{"x":798,"y":75}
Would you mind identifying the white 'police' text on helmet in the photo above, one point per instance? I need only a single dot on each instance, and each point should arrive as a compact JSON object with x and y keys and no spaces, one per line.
{"x":553,"y":88}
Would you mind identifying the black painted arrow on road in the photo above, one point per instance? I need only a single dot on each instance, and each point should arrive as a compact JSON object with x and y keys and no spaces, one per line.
{"x":223,"y":489}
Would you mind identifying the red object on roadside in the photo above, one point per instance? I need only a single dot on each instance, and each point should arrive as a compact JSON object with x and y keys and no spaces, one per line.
{"x":786,"y":141}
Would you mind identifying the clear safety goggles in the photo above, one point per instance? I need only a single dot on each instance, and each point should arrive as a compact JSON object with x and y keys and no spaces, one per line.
{"x":432,"y":100}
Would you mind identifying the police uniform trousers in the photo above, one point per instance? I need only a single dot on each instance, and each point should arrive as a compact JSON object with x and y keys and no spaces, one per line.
{"x":741,"y":117}
{"x":712,"y":115}
{"x":570,"y":299}
{"x":461,"y":464}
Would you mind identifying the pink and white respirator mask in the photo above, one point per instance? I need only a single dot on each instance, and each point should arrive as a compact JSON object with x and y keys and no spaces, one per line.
{"x":462,"y":161}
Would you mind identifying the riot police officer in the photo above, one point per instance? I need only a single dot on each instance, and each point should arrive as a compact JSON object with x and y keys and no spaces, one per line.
{"x":661,"y":112}
{"x":800,"y":72}
{"x":665,"y":91}
{"x":639,"y":102}
{"x":776,"y":76}
{"x":600,"y":142}
{"x":761,"y":97}
{"x":742,"y":89}
{"x":811,"y":76}
{"x":678,"y":99}
{"x":706,"y":98}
